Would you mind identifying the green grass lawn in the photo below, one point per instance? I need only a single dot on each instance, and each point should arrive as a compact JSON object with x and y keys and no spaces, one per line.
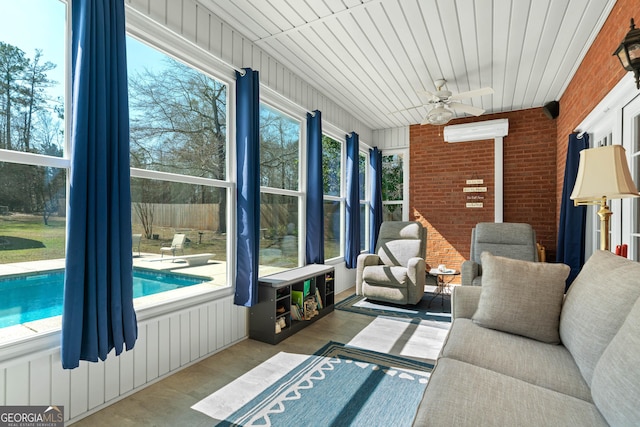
{"x":26,"y":238}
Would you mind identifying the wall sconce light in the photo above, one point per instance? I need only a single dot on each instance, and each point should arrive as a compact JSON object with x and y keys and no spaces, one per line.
{"x":629,"y":52}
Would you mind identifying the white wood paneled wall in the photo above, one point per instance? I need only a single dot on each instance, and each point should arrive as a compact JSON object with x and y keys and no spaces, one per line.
{"x":165,"y":345}
{"x":387,"y":139}
{"x":200,"y":26}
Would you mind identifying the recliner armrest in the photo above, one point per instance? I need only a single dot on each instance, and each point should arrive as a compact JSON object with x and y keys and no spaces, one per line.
{"x":469,"y":271}
{"x":416,"y":271}
{"x":363,"y":261}
{"x":464,"y":301}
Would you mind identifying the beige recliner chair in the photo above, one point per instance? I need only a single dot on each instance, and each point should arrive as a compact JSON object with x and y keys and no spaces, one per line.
{"x":396,"y":272}
{"x":506,"y":239}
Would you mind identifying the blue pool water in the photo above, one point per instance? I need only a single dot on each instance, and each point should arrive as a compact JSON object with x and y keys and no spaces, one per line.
{"x":38,"y":296}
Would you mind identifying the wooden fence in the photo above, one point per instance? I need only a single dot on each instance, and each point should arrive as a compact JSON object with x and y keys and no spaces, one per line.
{"x":205,"y":216}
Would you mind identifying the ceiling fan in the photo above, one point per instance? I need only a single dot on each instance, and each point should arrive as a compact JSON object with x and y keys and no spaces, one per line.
{"x":444,"y":103}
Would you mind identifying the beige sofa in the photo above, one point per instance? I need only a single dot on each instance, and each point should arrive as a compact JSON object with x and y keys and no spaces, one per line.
{"x":486,"y":376}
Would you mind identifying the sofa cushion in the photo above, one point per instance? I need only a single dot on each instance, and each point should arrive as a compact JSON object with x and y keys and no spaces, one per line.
{"x":616,"y":378}
{"x":547,"y":365}
{"x":596,"y":305}
{"x":385,"y":275}
{"x":460,"y":394}
{"x":521,"y":297}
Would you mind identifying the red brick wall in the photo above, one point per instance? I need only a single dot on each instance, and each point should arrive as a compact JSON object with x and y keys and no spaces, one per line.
{"x":439,"y":170}
{"x":598,"y":73}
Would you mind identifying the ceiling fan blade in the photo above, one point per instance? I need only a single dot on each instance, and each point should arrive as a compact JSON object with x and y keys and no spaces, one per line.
{"x":472,"y":93}
{"x":465,"y":108}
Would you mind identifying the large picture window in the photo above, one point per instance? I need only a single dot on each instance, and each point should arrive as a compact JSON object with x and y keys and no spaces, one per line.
{"x":33,"y":158}
{"x":180,"y":183}
{"x":178,"y":152}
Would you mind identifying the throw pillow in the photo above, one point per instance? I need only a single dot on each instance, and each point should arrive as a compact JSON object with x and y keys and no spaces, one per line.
{"x":521,"y":297}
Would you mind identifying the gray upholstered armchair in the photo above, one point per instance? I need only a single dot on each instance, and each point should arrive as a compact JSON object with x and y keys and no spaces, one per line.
{"x":511,"y":240}
{"x":396,"y":272}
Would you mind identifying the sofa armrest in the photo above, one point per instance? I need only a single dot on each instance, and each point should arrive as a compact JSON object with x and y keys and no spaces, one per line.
{"x":469,"y":271}
{"x":464,"y":301}
{"x":363,"y":261}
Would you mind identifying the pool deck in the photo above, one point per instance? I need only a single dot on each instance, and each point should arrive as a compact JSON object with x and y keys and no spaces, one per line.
{"x":214,"y":269}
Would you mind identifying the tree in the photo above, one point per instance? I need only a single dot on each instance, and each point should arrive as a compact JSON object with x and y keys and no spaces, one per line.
{"x":28,"y":124}
{"x":279,"y":150}
{"x":178,"y":124}
{"x":331,"y":157}
{"x":12,"y":66}
{"x":35,"y":79}
{"x":145,"y":213}
{"x":392,"y":177}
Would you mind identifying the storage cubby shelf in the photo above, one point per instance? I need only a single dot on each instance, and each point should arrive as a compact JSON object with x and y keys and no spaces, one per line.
{"x":275,"y":291}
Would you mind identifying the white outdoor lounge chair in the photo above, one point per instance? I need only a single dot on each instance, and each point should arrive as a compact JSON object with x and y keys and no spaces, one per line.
{"x":176,"y":245}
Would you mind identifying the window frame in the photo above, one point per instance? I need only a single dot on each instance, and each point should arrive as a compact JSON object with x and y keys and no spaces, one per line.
{"x":341,"y":199}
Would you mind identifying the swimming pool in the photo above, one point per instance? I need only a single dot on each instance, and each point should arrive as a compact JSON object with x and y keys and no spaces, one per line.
{"x":38,"y":296}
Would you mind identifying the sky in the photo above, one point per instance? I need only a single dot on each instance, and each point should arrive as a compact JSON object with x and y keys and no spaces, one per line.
{"x":40,"y":24}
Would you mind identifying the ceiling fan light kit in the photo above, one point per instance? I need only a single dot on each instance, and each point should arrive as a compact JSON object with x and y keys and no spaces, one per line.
{"x":438,"y":116}
{"x":444,"y":103}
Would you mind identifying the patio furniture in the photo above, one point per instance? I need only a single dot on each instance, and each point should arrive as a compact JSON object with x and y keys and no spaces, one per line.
{"x":135,"y":242}
{"x":177,"y":244}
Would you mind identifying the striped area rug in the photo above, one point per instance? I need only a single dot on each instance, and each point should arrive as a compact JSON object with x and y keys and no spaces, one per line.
{"x":339,"y":385}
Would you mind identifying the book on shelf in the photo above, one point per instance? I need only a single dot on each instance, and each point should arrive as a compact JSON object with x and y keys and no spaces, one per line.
{"x":296,"y":313}
{"x":319,"y":300}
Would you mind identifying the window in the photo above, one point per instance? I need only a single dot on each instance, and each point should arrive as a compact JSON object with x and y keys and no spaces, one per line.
{"x":363,"y":167}
{"x":333,"y":197}
{"x":630,"y":212}
{"x":280,"y":196}
{"x":178,"y":115}
{"x":34,"y":164}
{"x":180,"y":182}
{"x":616,"y":120}
{"x":178,"y":122}
{"x":33,"y":159}
{"x":393,"y":187}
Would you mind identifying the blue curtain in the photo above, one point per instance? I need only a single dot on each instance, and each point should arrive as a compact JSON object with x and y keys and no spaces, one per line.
{"x":375,"y":209}
{"x":98,"y":310}
{"x":315,"y":203}
{"x":248,"y":192}
{"x":573,"y":219}
{"x":352,"y":232}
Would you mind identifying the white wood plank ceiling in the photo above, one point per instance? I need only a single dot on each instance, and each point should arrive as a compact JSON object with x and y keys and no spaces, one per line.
{"x":375,"y":57}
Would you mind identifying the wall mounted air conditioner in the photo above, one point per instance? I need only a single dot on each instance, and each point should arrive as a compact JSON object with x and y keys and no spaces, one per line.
{"x":489,"y":129}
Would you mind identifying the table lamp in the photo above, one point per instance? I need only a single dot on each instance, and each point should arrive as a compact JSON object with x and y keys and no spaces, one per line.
{"x":603,"y":174}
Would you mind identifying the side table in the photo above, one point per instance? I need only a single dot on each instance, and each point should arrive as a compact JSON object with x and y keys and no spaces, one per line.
{"x":443,"y":280}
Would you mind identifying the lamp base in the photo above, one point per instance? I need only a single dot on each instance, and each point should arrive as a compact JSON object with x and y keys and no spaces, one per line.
{"x":604,"y":213}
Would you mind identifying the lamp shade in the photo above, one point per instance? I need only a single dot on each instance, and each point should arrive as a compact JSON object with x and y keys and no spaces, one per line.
{"x":603,"y":172}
